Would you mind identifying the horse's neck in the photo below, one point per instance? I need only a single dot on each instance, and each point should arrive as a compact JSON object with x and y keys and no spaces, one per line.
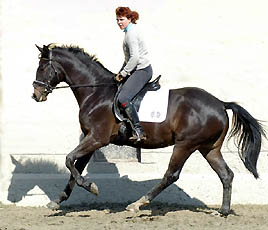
{"x":88,"y":81}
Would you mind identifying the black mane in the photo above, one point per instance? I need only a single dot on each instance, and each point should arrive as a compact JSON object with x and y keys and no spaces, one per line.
{"x":80,"y":53}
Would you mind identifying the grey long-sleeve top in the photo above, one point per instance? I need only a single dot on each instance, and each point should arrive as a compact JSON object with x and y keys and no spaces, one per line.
{"x":136,"y":53}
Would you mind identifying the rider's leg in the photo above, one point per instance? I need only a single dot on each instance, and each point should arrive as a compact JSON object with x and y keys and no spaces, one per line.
{"x":138,"y":134}
{"x":129,"y":90}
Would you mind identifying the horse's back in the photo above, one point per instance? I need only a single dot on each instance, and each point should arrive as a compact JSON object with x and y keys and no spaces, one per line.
{"x":195,"y":96}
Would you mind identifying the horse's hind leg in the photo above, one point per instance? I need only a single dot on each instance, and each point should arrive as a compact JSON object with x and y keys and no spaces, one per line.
{"x":216,"y":161}
{"x":177,"y":160}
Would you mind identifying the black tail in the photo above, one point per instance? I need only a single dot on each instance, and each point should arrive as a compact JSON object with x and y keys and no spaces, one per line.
{"x":248,"y":132}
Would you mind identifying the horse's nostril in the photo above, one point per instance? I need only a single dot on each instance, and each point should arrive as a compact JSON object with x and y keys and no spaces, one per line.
{"x":34,"y":97}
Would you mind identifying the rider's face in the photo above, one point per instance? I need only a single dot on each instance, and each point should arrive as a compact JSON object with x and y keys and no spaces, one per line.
{"x":122,"y":22}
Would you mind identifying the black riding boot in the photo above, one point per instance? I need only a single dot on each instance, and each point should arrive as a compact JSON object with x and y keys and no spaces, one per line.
{"x":138,"y":134}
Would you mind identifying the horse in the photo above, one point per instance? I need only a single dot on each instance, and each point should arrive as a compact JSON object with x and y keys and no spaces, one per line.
{"x":195,"y":120}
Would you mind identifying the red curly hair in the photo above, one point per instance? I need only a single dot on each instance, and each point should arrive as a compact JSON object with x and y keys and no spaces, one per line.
{"x":126,"y":12}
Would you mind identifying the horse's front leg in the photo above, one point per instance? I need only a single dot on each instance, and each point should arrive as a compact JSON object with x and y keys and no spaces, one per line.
{"x":76,"y":161}
{"x":80,"y":164}
{"x":86,"y":148}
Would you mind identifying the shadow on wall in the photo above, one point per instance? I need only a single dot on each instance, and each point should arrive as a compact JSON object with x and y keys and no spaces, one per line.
{"x":108,"y":186}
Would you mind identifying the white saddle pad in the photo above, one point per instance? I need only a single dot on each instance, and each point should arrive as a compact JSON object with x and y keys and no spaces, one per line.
{"x":153,"y":107}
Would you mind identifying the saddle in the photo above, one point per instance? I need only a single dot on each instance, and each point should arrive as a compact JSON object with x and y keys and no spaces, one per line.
{"x":150,"y":86}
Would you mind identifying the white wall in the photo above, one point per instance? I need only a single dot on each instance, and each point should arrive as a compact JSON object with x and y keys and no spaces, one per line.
{"x":221,"y":46}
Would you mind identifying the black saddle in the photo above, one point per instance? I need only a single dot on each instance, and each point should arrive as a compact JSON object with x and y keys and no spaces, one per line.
{"x":150,"y":86}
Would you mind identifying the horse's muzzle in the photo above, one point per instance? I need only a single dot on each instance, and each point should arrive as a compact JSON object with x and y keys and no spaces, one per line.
{"x":39,"y":96}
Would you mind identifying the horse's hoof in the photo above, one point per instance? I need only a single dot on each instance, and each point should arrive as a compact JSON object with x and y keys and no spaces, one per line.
{"x":53,"y":205}
{"x":132,"y":208}
{"x":91,"y":187}
{"x":94,"y":189}
{"x":224,"y":213}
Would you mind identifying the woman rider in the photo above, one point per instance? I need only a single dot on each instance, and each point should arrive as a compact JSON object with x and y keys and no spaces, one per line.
{"x":136,"y":70}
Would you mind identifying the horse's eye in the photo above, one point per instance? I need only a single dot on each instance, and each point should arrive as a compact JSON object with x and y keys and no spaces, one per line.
{"x":42,"y":68}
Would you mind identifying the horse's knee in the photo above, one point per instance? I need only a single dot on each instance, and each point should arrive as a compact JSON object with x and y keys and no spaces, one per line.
{"x":69,"y":162}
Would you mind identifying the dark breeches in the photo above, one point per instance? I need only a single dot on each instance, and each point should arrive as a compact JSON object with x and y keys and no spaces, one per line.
{"x":134,"y":84}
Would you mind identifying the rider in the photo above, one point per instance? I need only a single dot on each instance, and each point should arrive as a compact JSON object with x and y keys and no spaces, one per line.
{"x":136,"y":70}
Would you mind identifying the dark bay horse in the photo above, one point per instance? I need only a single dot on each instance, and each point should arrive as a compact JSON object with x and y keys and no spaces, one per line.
{"x":196,"y":120}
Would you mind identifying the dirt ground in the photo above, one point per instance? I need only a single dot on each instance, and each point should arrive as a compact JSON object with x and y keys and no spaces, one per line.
{"x":113,"y":216}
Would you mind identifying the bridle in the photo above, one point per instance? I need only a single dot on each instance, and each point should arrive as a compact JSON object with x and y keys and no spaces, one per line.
{"x":50,"y":88}
{"x":47,"y":86}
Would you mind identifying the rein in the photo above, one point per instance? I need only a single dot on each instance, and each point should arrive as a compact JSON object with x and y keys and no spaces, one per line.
{"x":81,"y":86}
{"x":50,"y":88}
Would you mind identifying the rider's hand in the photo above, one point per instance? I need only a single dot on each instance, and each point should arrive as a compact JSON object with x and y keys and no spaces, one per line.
{"x":118,"y":78}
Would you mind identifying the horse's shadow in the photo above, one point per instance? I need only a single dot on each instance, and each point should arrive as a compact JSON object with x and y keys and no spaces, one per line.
{"x":51,"y":179}
{"x":155,"y":208}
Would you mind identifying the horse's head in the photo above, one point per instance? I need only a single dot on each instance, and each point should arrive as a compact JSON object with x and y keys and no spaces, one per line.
{"x":46,"y":75}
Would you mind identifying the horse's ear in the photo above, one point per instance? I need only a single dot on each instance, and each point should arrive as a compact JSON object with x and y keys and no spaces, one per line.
{"x":45,"y":51}
{"x":14,"y":161}
{"x":39,"y":48}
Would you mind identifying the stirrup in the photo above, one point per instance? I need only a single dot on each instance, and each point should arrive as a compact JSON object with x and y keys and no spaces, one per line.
{"x":138,"y":136}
